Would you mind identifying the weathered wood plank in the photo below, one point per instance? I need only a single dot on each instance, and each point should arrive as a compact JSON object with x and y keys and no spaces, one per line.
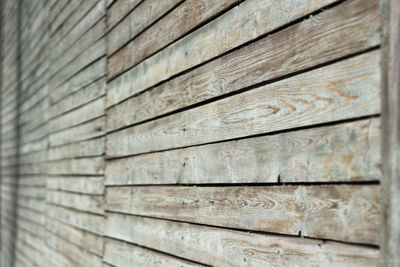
{"x":82,"y":166}
{"x":89,"y":148}
{"x":343,"y":212}
{"x":79,"y":133}
{"x":93,"y":204}
{"x":83,"y":43}
{"x":84,"y":185}
{"x":343,"y":90}
{"x":140,"y":18}
{"x":123,"y":254}
{"x":91,"y":242}
{"x":324,"y":37}
{"x":90,"y":74}
{"x":86,"y":221}
{"x":390,"y":239}
{"x":241,"y":24}
{"x":80,"y":115}
{"x":78,"y":255}
{"x":119,"y":10}
{"x":344,"y":152}
{"x":220,"y":247}
{"x":79,"y":98}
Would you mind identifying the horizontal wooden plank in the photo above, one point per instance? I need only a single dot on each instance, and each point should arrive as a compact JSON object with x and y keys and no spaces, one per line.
{"x":91,"y":242}
{"x":220,"y":247}
{"x":327,"y":212}
{"x":344,"y":90}
{"x":331,"y":34}
{"x":119,"y":10}
{"x":343,"y":152}
{"x":228,"y":31}
{"x":78,"y":255}
{"x":86,"y":221}
{"x":90,"y":74}
{"x":79,"y":98}
{"x":82,"y":166}
{"x":141,"y":17}
{"x":123,"y":254}
{"x":182,"y":19}
{"x":89,"y":148}
{"x":93,"y":204}
{"x":84,"y":185}
{"x":78,"y":133}
{"x":77,"y":116}
{"x":80,"y":45}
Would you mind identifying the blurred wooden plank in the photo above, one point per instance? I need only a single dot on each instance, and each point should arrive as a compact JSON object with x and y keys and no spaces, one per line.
{"x":89,"y":203}
{"x":390,"y":240}
{"x":331,"y":34}
{"x":119,"y":10}
{"x":78,"y":133}
{"x":82,"y":166}
{"x":141,"y":17}
{"x":220,"y":247}
{"x":344,"y":90}
{"x":89,"y":148}
{"x":123,"y":254}
{"x":84,"y":185}
{"x":341,"y":212}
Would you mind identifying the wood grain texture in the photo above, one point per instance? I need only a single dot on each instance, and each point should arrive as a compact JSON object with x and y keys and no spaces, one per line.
{"x":390,"y":241}
{"x":84,"y":185}
{"x":93,"y":243}
{"x":324,"y":37}
{"x":343,"y":90}
{"x":183,"y":19}
{"x":89,"y":148}
{"x":345,"y":152}
{"x":228,"y":31}
{"x":92,"y":204}
{"x":124,"y":254}
{"x":347,"y":213}
{"x":119,"y":10}
{"x":90,"y":74}
{"x":82,"y":132}
{"x":79,"y":98}
{"x":92,"y":223}
{"x":220,"y":247}
{"x":138,"y":20}
{"x":88,"y":166}
{"x":78,"y":116}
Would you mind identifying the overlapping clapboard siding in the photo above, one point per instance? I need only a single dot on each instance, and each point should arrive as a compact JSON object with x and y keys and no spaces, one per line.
{"x":190,"y":133}
{"x":75,"y":184}
{"x":24,"y":136}
{"x":243,"y":134}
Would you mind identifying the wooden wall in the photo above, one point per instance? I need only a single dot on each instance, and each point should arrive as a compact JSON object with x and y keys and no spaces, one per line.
{"x":190,"y":133}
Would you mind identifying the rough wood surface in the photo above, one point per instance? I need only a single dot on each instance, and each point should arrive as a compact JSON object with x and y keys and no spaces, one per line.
{"x":324,"y":37}
{"x":343,"y":90}
{"x":82,"y":166}
{"x":89,"y":148}
{"x":228,"y":31}
{"x":124,"y":254}
{"x":119,"y":10}
{"x":220,"y":247}
{"x":345,"y":152}
{"x":82,"y":132}
{"x":93,"y":204}
{"x":138,"y":20}
{"x":84,"y":185}
{"x":184,"y":18}
{"x":347,"y":213}
{"x":93,"y":243}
